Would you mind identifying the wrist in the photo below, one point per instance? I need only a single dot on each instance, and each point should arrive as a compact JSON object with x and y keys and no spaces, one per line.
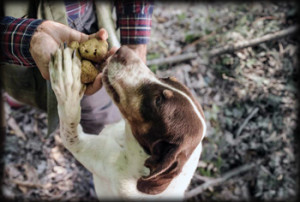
{"x":40,"y":32}
{"x":46,"y":26}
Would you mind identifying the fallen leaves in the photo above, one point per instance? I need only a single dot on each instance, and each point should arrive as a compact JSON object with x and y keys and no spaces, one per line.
{"x":38,"y":168}
{"x":15,"y":128}
{"x":229,"y":87}
{"x":261,"y":78}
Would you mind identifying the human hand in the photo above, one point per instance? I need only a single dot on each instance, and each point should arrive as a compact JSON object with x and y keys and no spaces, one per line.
{"x":97,"y":83}
{"x":46,"y":40}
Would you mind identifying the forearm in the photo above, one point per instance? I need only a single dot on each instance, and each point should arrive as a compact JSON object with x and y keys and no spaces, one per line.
{"x":15,"y":35}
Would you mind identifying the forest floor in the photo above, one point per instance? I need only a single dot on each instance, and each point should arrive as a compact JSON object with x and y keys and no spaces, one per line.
{"x":249,"y":98}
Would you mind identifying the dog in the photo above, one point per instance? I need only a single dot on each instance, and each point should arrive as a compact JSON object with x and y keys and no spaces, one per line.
{"x":153,"y":152}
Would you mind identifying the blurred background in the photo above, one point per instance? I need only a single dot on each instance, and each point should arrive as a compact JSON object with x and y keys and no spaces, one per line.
{"x":249,"y":97}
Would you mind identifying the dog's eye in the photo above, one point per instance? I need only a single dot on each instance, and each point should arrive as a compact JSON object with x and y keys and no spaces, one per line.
{"x":158,"y":100}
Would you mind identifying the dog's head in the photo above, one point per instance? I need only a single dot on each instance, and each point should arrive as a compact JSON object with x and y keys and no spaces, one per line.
{"x":164,"y":117}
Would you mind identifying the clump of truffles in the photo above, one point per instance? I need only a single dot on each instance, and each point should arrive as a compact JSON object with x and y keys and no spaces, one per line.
{"x":94,"y":50}
{"x":88,"y":71}
{"x":90,"y":51}
{"x":74,"y":45}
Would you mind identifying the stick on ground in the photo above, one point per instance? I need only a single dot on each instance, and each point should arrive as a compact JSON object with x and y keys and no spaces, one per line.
{"x":250,"y":116}
{"x":219,"y":180}
{"x":252,"y":42}
{"x":225,"y":49}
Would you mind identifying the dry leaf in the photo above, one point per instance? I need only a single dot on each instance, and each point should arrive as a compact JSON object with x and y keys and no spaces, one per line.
{"x":18,"y":132}
{"x":57,"y":155}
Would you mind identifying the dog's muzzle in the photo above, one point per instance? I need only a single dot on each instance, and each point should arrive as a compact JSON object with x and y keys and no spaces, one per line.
{"x":125,"y":72}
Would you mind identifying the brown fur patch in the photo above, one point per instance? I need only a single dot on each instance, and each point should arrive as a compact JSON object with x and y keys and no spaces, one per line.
{"x":172,"y":81}
{"x":162,"y":120}
{"x":174,"y":133}
{"x":110,"y":88}
{"x":168,"y":93}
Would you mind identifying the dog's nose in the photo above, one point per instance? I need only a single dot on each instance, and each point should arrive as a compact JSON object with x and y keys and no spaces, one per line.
{"x":124,"y":55}
{"x":120,"y":50}
{"x":123,"y":52}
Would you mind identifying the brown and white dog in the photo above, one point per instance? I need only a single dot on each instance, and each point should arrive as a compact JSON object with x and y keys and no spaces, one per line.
{"x":153,"y":152}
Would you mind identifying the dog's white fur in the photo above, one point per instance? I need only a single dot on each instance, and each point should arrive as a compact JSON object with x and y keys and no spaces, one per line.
{"x":114,"y":157}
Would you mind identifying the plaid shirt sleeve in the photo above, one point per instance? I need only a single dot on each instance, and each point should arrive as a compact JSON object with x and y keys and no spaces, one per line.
{"x":15,"y":35}
{"x":134,"y":21}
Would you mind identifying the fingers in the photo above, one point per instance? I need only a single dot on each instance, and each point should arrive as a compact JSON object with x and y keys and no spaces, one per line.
{"x":101,"y":35}
{"x":80,"y":37}
{"x":95,"y":86}
{"x":77,"y":36}
{"x":45,"y":74}
{"x":62,"y":33}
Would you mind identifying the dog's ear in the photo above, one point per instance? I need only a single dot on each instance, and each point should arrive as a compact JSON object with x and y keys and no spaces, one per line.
{"x":165,"y":163}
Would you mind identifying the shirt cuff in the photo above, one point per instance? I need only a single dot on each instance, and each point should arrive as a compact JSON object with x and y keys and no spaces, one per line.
{"x":135,"y":29}
{"x":16,"y":34}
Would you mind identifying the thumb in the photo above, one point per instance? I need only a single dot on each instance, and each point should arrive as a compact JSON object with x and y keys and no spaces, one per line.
{"x":75,"y":35}
{"x":101,"y":34}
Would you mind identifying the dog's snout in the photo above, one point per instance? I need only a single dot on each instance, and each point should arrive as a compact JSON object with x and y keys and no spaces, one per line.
{"x":125,"y":55}
{"x":118,"y":51}
{"x":122,"y":50}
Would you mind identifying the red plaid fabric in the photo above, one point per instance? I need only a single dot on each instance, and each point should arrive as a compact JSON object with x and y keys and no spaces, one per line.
{"x":133,"y":19}
{"x":15,"y":37}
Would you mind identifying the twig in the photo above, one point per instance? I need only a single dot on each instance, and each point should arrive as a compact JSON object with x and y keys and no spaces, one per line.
{"x":26,"y":184}
{"x":241,"y":128}
{"x":199,"y":40}
{"x":18,"y":132}
{"x":219,"y":180}
{"x":204,"y":38}
{"x":252,"y":42}
{"x":265,"y":18}
{"x":225,"y":49}
{"x":202,"y":178}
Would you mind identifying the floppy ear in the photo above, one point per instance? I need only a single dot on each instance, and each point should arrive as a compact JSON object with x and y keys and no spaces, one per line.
{"x":165,"y":163}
